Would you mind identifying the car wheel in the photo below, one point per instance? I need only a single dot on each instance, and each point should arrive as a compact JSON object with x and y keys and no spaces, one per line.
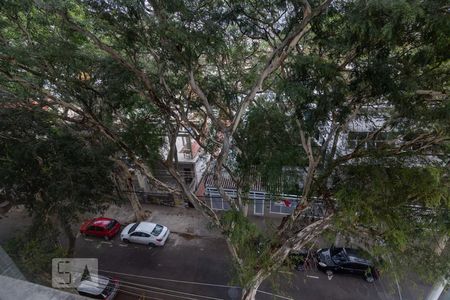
{"x":369,"y":279}
{"x":126,"y":241}
{"x":329,"y":273}
{"x":152,"y":244}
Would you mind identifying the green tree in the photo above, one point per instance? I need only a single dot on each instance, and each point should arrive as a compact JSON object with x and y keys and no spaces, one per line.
{"x":34,"y":250}
{"x":243,"y":78}
{"x":52,"y":170}
{"x":77,"y":83}
{"x":404,"y":212}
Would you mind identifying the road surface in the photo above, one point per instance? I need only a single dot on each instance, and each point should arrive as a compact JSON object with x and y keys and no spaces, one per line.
{"x":200,"y":268}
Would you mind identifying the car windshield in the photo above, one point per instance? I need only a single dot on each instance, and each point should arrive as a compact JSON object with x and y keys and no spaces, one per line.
{"x":133,"y":228}
{"x":338,"y":255}
{"x":108,"y":289}
{"x":157,"y":230}
{"x":111,"y":225}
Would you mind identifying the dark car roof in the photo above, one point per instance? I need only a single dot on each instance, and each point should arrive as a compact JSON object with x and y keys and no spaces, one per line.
{"x":354,"y":256}
{"x":349,"y":255}
{"x":357,"y":256}
{"x":359,"y":260}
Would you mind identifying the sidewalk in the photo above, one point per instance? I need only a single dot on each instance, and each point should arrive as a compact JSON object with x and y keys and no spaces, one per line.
{"x":183,"y":221}
{"x":15,"y":221}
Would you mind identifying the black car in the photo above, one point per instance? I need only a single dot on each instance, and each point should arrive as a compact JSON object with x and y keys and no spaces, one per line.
{"x":346,"y":260}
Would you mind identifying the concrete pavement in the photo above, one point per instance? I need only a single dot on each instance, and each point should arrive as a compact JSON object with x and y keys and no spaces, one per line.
{"x":13,"y":289}
{"x":186,"y":221}
{"x":13,"y":223}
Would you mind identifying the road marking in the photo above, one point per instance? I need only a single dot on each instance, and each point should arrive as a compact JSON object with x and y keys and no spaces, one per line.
{"x":275,"y":295}
{"x":88,"y":240}
{"x":98,"y":246}
{"x":167,"y":279}
{"x":149,"y":288}
{"x":188,"y":282}
{"x":285,"y":272}
{"x":103,"y":242}
{"x":310,"y":276}
{"x":78,"y":235}
{"x":123,"y":245}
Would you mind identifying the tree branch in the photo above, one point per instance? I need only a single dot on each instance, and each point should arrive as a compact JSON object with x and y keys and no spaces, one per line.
{"x":278,"y":56}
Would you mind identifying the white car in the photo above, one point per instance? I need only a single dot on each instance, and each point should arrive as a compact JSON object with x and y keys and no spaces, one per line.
{"x":145,"y":233}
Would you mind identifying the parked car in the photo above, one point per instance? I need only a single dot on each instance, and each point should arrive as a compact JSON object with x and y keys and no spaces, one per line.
{"x":346,"y":260}
{"x":101,"y":227}
{"x":99,"y":287}
{"x":145,"y":233}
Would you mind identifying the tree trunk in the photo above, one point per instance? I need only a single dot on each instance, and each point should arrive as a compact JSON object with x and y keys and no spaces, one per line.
{"x":124,"y":183}
{"x":135,"y":203}
{"x":245,"y":209}
{"x":70,"y":236}
{"x":249,"y":292}
{"x":299,"y":240}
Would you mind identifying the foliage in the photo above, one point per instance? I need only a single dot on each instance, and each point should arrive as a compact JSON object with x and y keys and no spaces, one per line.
{"x":408,"y":208}
{"x":259,"y":105}
{"x":33,"y":252}
{"x":143,"y":133}
{"x":252,"y":244}
{"x":49,"y":169}
{"x":55,"y":172}
{"x":267,"y":136}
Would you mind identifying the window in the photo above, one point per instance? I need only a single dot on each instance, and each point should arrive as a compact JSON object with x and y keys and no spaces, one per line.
{"x":348,"y":266}
{"x":354,"y":138}
{"x":136,"y":234}
{"x":108,"y":289}
{"x":133,"y":228}
{"x":111,"y":225}
{"x":339,"y":256}
{"x":91,"y":228}
{"x":359,"y":267}
{"x":98,"y":228}
{"x":145,"y":234}
{"x":283,"y":206}
{"x":157,"y":230}
{"x":187,"y":175}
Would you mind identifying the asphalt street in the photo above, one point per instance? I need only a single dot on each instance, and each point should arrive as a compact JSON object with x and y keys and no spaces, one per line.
{"x":200,"y":268}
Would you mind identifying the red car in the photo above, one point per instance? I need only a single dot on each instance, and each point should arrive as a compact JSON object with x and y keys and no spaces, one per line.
{"x":101,"y":227}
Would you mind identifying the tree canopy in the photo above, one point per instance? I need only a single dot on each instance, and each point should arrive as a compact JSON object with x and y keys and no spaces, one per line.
{"x":56,"y":172}
{"x":271,"y":90}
